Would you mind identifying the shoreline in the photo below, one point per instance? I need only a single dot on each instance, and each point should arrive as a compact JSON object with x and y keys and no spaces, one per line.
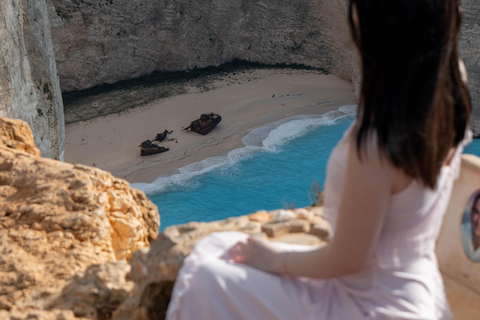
{"x":116,"y":97}
{"x":258,"y":140}
{"x":245,"y":100}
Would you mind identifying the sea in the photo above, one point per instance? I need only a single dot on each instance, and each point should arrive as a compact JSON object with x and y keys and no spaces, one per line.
{"x":282,"y":165}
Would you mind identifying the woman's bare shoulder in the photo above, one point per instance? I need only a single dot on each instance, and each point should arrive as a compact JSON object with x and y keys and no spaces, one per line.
{"x":376,"y":161}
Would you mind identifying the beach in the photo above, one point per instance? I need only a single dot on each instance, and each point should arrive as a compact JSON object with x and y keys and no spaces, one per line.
{"x":246,"y":100}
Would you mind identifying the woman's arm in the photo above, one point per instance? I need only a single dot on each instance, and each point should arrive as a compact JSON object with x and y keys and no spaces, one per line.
{"x":367,"y":188}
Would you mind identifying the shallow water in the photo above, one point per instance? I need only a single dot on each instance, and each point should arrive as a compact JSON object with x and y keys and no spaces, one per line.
{"x":282,"y":166}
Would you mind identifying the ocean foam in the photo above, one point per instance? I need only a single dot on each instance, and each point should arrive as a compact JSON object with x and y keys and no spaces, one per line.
{"x":269,"y":138}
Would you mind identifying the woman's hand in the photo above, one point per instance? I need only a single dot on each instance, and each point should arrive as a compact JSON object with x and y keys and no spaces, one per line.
{"x":259,"y":253}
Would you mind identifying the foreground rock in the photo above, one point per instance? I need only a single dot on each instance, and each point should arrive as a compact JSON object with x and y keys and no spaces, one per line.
{"x":155,"y":269}
{"x":56,"y":220}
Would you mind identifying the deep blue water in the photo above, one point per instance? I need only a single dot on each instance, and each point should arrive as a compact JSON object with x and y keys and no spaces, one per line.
{"x":275,"y":170}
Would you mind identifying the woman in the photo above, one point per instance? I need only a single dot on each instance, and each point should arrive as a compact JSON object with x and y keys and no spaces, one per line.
{"x":388,"y":183}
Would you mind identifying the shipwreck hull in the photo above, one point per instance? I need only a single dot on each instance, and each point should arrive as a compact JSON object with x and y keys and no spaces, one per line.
{"x":205,"y":127}
{"x":152,"y":151}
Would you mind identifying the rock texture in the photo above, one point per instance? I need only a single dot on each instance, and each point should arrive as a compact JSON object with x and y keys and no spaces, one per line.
{"x":16,"y":135}
{"x":57,"y":219}
{"x":470,"y":53}
{"x":39,"y":315}
{"x":97,"y":292}
{"x":335,"y":32}
{"x":105,"y":41}
{"x":155,"y":269}
{"x":29,"y":84}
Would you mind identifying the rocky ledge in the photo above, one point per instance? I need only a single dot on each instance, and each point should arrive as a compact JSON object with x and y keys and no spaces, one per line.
{"x":78,"y":243}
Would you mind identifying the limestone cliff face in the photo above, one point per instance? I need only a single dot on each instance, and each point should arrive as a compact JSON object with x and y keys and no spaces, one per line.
{"x":29,"y":85}
{"x":335,"y":31}
{"x":57,"y":219}
{"x":470,"y":52}
{"x":106,"y":41}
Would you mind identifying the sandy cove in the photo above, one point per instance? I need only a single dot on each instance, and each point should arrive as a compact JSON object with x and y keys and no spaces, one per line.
{"x":245,"y":100}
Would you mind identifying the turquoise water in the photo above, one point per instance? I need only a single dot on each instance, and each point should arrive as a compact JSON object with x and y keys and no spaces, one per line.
{"x":473,"y":147}
{"x":275,"y":170}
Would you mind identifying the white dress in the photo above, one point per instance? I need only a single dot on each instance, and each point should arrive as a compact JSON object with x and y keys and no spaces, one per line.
{"x":400,"y":281}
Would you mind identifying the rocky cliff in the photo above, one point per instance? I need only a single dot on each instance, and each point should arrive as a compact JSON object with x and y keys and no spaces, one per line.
{"x":29,"y":85}
{"x":105,"y":41}
{"x":470,"y":52}
{"x":57,"y":219}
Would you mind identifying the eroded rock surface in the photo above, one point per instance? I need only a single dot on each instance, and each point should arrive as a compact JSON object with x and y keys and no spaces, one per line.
{"x":57,"y":219}
{"x":39,"y":315}
{"x":155,"y":269}
{"x":16,"y":135}
{"x":99,"y":42}
{"x":470,"y":53}
{"x":29,"y":84}
{"x":98,"y":291}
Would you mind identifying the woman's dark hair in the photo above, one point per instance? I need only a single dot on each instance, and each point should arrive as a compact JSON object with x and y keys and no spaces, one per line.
{"x":412,"y":94}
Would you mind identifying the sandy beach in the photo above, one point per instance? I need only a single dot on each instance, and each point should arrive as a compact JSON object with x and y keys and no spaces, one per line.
{"x":246,"y":100}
